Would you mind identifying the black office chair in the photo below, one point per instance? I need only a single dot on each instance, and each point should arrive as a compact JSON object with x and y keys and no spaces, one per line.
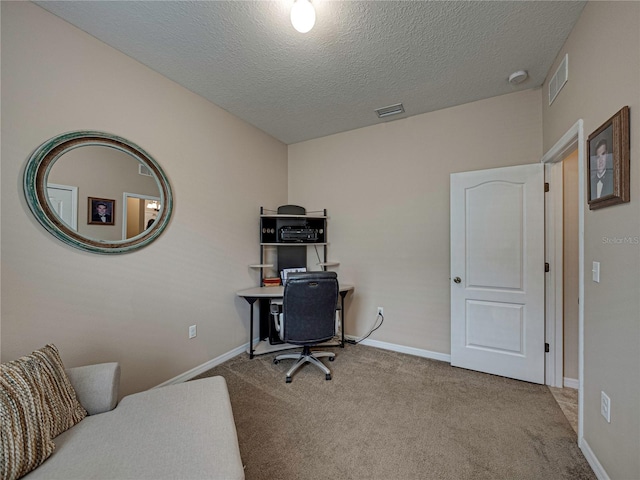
{"x":308,"y":317}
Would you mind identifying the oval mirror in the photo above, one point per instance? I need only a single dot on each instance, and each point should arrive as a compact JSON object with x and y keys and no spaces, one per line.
{"x":98,"y":192}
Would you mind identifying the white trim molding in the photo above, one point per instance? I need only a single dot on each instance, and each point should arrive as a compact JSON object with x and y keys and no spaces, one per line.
{"x":596,"y":466}
{"x":214,"y":362}
{"x":571,"y":383}
{"x":418,"y":352}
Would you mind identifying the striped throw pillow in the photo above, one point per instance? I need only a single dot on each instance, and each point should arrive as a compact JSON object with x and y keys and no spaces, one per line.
{"x":62,"y":405}
{"x":25,"y":433}
{"x":37,"y":403}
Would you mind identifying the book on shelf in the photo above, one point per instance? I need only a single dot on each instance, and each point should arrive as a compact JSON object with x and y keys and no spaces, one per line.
{"x":271,"y":281}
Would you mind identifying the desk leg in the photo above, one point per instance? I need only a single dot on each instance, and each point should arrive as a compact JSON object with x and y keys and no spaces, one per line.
{"x":342,"y":295}
{"x":251,"y":301}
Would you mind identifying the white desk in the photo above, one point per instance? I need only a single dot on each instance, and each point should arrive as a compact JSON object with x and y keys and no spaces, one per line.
{"x":268,"y":293}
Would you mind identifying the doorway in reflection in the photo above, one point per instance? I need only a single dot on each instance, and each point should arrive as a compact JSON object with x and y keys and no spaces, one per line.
{"x":140,"y":212}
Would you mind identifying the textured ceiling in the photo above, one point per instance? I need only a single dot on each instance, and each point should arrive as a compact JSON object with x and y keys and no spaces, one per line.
{"x":246,"y":57}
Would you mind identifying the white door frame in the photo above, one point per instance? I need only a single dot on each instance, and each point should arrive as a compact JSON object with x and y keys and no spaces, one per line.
{"x":566,"y":145}
{"x":554,"y":280}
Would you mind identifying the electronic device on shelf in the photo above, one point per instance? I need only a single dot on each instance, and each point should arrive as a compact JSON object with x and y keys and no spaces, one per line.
{"x":298,"y":234}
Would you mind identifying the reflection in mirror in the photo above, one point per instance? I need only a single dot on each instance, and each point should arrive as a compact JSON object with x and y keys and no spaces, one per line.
{"x":141,"y":213}
{"x":63,"y":199}
{"x":102,"y":172}
{"x":98,"y":192}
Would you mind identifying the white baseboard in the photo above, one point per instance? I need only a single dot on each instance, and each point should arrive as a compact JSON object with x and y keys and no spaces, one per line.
{"x":571,"y":383}
{"x":418,"y":352}
{"x":597,"y":468}
{"x":194,"y":372}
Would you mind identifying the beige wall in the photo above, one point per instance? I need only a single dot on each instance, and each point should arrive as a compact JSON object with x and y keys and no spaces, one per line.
{"x":134,"y":308}
{"x":386,"y":189}
{"x":570,"y":262}
{"x":604,"y":76}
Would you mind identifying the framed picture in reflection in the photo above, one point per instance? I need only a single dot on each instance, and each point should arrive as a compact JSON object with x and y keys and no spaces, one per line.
{"x":101,"y":211}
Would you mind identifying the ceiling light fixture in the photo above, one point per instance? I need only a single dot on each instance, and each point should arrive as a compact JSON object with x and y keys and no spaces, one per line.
{"x":303,"y":16}
{"x":518,"y":77}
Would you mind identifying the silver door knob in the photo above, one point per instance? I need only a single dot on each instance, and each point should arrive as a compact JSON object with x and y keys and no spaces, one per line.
{"x":457,"y":280}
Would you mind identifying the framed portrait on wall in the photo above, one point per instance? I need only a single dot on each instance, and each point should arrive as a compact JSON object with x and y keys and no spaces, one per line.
{"x":608,"y":162}
{"x":101,"y":211}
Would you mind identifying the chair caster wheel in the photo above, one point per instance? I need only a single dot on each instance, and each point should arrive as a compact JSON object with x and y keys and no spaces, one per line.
{"x":276,"y":361}
{"x":331,"y":359}
{"x":288,"y":380}
{"x":328,"y":376}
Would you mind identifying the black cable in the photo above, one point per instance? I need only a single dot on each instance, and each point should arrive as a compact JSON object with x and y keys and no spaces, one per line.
{"x":355,"y":342}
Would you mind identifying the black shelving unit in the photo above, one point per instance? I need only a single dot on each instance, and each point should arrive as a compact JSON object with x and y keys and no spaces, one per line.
{"x":291,"y":230}
{"x":291,"y":234}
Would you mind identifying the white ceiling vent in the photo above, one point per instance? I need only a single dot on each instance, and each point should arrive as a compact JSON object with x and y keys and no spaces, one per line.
{"x":144,"y":170}
{"x":559,"y":79}
{"x":390,"y":110}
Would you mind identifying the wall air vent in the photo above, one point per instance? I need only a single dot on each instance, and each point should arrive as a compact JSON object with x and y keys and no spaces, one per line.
{"x":390,"y":110}
{"x":559,"y":79}
{"x":144,"y":170}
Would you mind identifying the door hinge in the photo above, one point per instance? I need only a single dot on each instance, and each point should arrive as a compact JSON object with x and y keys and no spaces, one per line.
{"x":546,"y":348}
{"x":546,"y":186}
{"x":546,"y":267}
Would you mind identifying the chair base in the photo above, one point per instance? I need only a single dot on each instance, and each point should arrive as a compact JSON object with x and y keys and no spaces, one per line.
{"x":306,"y":356}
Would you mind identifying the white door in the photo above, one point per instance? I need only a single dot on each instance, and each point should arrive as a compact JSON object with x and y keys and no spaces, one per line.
{"x":497,"y":271}
{"x":64,"y":200}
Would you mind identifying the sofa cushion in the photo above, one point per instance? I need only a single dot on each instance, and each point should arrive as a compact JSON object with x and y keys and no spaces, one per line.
{"x":62,"y":405}
{"x":183,"y":431}
{"x":25,"y":435}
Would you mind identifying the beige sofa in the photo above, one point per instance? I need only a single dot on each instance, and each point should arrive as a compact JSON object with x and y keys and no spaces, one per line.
{"x":183,"y":431}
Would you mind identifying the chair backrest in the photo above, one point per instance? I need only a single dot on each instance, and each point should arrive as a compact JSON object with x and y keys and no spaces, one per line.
{"x":309,"y":307}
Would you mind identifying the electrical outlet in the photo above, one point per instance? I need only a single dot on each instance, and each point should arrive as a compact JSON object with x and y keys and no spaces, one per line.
{"x":381,"y":311}
{"x":605,"y":406}
{"x":192,"y":331}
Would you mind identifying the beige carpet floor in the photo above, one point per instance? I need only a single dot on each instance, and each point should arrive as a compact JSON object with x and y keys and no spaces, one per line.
{"x":387,"y":415}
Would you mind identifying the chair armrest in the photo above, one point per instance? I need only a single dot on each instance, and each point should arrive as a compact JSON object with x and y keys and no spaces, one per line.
{"x":96,"y":386}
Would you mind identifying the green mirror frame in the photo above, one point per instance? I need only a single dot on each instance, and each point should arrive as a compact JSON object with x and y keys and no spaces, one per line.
{"x":35,"y":188}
